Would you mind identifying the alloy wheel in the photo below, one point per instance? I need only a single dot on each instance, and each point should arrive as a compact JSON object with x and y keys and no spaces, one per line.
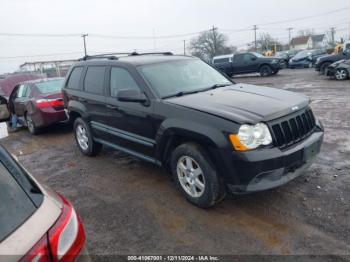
{"x":341,"y":74}
{"x":30,"y":124}
{"x":82,"y":137}
{"x":190,"y":176}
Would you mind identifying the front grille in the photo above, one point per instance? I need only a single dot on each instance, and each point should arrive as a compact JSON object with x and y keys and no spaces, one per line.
{"x":292,"y":129}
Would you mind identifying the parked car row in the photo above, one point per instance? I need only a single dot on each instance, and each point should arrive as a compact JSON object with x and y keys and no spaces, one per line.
{"x":323,"y":62}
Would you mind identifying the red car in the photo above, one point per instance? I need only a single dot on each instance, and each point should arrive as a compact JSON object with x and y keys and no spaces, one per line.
{"x":37,"y":103}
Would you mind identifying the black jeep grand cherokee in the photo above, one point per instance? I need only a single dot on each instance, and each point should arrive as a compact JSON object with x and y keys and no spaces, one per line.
{"x":179,"y":112}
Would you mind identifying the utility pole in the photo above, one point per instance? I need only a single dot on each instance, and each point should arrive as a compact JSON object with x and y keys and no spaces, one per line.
{"x":184,"y":46}
{"x":84,"y":36}
{"x":214,"y":39}
{"x":349,"y":31}
{"x":332,"y":33}
{"x":289,"y":34}
{"x":255,"y":43}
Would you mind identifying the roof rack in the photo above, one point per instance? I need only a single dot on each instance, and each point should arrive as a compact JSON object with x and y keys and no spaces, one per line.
{"x":152,"y":53}
{"x":109,"y":56}
{"x":114,"y":56}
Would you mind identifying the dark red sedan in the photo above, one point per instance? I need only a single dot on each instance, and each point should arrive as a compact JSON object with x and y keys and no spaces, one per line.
{"x":37,"y":103}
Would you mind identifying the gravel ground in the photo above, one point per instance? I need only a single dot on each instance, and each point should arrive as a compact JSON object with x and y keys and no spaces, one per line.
{"x":131,"y":207}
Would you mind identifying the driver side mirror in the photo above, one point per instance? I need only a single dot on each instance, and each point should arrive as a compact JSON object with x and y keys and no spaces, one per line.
{"x":132,"y":95}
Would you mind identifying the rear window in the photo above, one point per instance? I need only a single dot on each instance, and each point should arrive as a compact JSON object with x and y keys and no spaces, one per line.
{"x":74,"y":79}
{"x":52,"y":86}
{"x":94,"y":79}
{"x":15,"y":205}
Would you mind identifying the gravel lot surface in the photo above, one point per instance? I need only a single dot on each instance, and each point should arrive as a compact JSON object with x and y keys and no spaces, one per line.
{"x":132,"y":207}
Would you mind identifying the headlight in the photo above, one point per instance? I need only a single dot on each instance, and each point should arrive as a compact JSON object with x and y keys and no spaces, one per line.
{"x":251,"y":137}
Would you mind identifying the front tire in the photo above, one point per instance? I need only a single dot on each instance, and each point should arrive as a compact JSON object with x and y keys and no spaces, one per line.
{"x":265,"y":70}
{"x":195,"y":175}
{"x":341,"y":74}
{"x":84,"y":139}
{"x":323,"y":67}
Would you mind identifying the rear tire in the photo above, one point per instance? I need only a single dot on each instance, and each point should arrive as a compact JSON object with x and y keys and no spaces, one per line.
{"x":265,"y":70}
{"x":31,"y":125}
{"x":195,"y":175}
{"x":84,"y":138}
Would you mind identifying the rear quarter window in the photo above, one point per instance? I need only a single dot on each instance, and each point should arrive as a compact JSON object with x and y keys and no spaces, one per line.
{"x":74,"y":78}
{"x":15,"y":205}
{"x":94,"y":79}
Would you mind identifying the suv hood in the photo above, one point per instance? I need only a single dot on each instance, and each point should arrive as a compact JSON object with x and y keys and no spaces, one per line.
{"x":243,"y":103}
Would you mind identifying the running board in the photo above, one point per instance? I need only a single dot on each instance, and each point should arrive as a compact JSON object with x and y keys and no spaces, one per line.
{"x":128,"y":151}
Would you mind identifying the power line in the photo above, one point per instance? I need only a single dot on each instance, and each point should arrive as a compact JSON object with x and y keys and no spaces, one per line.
{"x":307,"y":17}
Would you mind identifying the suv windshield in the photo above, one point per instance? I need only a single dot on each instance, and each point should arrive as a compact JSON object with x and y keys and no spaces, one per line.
{"x":182,"y":76}
{"x":52,"y":86}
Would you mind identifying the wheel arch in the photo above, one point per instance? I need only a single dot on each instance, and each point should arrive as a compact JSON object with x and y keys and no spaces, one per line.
{"x":169,"y":138}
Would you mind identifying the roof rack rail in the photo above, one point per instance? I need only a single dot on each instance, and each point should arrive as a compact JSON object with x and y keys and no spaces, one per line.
{"x":109,"y":56}
{"x":152,"y":53}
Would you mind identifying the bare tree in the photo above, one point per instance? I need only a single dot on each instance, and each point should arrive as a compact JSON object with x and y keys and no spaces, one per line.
{"x":305,"y":32}
{"x":209,"y":44}
{"x":265,"y":42}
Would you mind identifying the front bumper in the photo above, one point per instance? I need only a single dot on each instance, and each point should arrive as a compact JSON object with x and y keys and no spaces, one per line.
{"x":330,"y":71}
{"x":267,"y":168}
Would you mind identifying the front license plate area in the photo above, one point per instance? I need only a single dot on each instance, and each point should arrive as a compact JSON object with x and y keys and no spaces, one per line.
{"x":311,"y":151}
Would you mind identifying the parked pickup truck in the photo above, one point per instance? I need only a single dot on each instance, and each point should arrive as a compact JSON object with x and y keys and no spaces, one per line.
{"x":246,"y":63}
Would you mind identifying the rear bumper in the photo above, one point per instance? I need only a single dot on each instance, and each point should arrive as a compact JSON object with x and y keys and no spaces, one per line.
{"x":43,"y":118}
{"x":267,"y":168}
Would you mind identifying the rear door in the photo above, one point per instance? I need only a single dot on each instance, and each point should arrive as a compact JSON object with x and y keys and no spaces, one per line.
{"x":93,"y":97}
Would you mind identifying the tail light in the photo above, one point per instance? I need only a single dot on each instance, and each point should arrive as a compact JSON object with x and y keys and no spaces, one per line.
{"x":64,"y":240}
{"x":44,"y":103}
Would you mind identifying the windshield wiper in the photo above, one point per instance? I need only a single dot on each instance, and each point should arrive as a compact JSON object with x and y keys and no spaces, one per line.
{"x":219,"y":85}
{"x":182,"y":93}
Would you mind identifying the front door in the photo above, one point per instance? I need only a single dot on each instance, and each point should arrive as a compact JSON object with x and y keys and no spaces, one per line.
{"x":130,"y":124}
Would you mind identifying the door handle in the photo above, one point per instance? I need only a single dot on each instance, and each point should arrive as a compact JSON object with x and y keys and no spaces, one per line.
{"x":112,"y":107}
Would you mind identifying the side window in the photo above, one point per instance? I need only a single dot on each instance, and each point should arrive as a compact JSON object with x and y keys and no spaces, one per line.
{"x":21,"y":91}
{"x":121,"y":79}
{"x":74,"y":78}
{"x":94,"y":79}
{"x":27,"y":91}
